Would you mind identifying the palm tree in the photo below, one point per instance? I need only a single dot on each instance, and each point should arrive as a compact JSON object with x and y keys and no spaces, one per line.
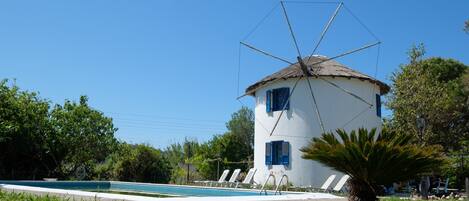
{"x":372,"y":160}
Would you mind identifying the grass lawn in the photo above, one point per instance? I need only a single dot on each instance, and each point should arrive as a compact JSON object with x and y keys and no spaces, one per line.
{"x":399,"y":199}
{"x":9,"y":196}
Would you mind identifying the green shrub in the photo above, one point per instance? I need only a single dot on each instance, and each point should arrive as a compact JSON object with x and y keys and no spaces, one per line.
{"x":136,"y":163}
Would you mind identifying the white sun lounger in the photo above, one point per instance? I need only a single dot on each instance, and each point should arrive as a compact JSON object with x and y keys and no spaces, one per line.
{"x":338,"y":187}
{"x":327,"y":183}
{"x":233,"y":177}
{"x":248,"y":180}
{"x":220,"y":180}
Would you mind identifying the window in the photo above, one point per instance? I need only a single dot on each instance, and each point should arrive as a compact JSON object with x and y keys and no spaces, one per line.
{"x":378,"y":105}
{"x":277,"y":153}
{"x":277,"y":98}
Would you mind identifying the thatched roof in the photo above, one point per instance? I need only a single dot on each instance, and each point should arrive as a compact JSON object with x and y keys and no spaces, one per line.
{"x":322,"y":67}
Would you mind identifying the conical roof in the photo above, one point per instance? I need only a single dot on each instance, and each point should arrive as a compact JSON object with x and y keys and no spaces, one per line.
{"x":320,"y":66}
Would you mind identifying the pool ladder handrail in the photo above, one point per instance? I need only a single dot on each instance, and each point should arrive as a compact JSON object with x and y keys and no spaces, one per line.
{"x":278,"y":189}
{"x":265,"y":183}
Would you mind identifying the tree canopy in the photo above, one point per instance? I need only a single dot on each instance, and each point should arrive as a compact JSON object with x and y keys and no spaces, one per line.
{"x":69,"y":141}
{"x":233,"y":149}
{"x":83,"y":136}
{"x":435,"y":89}
{"x":143,"y":163}
{"x":25,"y":130}
{"x":75,"y":141}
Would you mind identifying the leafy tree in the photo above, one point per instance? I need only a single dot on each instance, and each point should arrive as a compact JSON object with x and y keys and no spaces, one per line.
{"x":24,"y":130}
{"x":241,"y":125}
{"x":237,"y":145}
{"x":175,"y":154}
{"x":458,"y":167}
{"x":71,"y":141}
{"x":213,"y":157}
{"x":37,"y":142}
{"x":109,"y":168}
{"x":138,"y":163}
{"x":181,"y":158}
{"x":435,"y":89}
{"x":143,"y":164}
{"x":233,"y":149}
{"x":84,"y":137}
{"x":372,"y":159}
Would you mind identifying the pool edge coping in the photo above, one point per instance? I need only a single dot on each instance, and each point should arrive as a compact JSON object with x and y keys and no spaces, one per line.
{"x":85,"y":195}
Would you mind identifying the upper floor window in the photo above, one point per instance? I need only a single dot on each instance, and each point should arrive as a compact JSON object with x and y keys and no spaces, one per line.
{"x":277,"y":153}
{"x":378,"y":105}
{"x":277,"y":99}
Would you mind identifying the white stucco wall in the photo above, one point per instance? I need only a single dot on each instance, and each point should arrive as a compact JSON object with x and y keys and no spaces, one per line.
{"x":300,"y":123}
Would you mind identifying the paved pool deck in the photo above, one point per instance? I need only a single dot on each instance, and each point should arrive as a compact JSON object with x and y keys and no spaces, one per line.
{"x":93,"y":196}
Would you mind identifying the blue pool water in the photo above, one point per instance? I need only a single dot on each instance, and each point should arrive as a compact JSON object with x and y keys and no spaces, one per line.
{"x":178,"y":190}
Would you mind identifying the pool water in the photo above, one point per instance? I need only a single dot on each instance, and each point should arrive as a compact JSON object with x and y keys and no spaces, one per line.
{"x":162,"y":189}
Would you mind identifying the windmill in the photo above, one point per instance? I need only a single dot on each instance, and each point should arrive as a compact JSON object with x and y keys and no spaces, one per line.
{"x":305,"y":68}
{"x":301,"y":64}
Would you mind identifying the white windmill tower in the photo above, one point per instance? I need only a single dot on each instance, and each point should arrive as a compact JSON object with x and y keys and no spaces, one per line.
{"x":310,"y":96}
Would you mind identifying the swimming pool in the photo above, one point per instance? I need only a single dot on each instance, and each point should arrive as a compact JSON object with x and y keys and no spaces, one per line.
{"x":164,"y":189}
{"x":131,"y":191}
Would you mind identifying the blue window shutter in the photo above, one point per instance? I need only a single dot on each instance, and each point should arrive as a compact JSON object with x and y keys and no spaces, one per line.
{"x":280,"y":98}
{"x":268,"y":101}
{"x":268,"y":153}
{"x":378,"y":105}
{"x":286,"y":93}
{"x":285,"y":153}
{"x":274,"y":100}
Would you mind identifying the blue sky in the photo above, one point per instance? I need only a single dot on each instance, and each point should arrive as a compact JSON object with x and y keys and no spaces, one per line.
{"x":165,"y":70}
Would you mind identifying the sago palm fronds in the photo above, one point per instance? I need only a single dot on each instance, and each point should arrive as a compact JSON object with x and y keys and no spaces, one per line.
{"x":372,"y":159}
